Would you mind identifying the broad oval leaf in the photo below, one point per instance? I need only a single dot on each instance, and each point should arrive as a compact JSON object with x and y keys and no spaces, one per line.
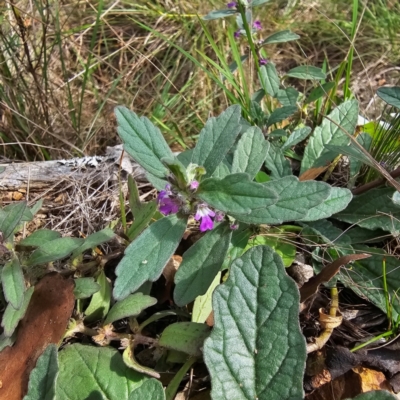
{"x":295,"y":198}
{"x":332,"y":131}
{"x":281,"y":114}
{"x":42,"y":380}
{"x":217,"y":14}
{"x":94,"y":372}
{"x":390,"y":95}
{"x":365,"y":277}
{"x":12,"y":316}
{"x":85,"y":287}
{"x":216,"y":138}
{"x":39,"y":237}
{"x":146,"y":257}
{"x":256,"y":319}
{"x":94,"y":240}
{"x":307,"y":72}
{"x":296,"y":137}
{"x":288,"y":96}
{"x":142,"y":217}
{"x":250,"y":152}
{"x":100,"y":302}
{"x":129,"y":307}
{"x":338,"y":200}
{"x":276,"y":163}
{"x":201,"y":263}
{"x":187,"y":337}
{"x":10,"y":216}
{"x":150,"y":389}
{"x":256,"y":3}
{"x":54,"y":250}
{"x":280,"y":37}
{"x":269,"y":79}
{"x":235,"y":194}
{"x":373,"y":210}
{"x":143,"y":141}
{"x":12,"y":279}
{"x":319,"y":91}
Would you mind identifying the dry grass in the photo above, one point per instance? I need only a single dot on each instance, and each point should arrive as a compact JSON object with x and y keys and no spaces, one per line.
{"x":65,"y":65}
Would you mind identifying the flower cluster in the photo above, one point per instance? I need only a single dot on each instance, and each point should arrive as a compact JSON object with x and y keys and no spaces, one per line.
{"x":170,"y":202}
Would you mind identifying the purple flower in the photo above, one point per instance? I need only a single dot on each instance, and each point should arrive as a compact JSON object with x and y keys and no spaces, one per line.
{"x":232,"y":4}
{"x":236,"y":35}
{"x":204,"y":213}
{"x":257,"y":25}
{"x":167,"y":202}
{"x":219,"y":216}
{"x":194,"y":185}
{"x":234,"y":227}
{"x":263,"y":61}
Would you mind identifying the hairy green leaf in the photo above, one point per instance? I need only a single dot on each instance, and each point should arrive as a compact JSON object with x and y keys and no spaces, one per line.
{"x":296,"y":137}
{"x":337,"y":201}
{"x":217,"y":14}
{"x":94,"y":240}
{"x":364,"y":277}
{"x":281,"y":114}
{"x":216,"y":138}
{"x":85,"y":287}
{"x":286,"y":251}
{"x":287,"y":97}
{"x":146,"y":257}
{"x":319,"y":91}
{"x":344,"y":117}
{"x":390,"y":95}
{"x":142,"y":217}
{"x":10,"y":216}
{"x":235,"y":194}
{"x":373,"y":210}
{"x":276,"y":163}
{"x":100,"y":302}
{"x":42,"y":380}
{"x":270,"y":79}
{"x":250,"y":152}
{"x":150,"y":389}
{"x":306,"y":72}
{"x":256,"y":319}
{"x":295,"y":198}
{"x":201,"y":263}
{"x":39,"y":237}
{"x":143,"y":141}
{"x":185,"y":336}
{"x":12,"y":316}
{"x":54,"y":250}
{"x":94,"y":372}
{"x":280,"y":37}
{"x":12,"y":279}
{"x":131,"y":306}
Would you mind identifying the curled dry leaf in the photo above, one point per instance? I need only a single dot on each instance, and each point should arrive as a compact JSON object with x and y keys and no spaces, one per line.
{"x":326,"y":274}
{"x":45,"y":322}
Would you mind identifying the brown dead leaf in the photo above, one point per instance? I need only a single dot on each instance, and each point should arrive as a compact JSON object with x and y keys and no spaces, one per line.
{"x":45,"y":322}
{"x":171,"y":268}
{"x":312,"y":173}
{"x":351,"y":384}
{"x":311,"y":287}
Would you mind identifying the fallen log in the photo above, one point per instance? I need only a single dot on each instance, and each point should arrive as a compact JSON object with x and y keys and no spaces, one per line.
{"x":87,"y":189}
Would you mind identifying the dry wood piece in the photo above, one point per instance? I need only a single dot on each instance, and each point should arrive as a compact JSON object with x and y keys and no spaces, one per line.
{"x":79,"y":194}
